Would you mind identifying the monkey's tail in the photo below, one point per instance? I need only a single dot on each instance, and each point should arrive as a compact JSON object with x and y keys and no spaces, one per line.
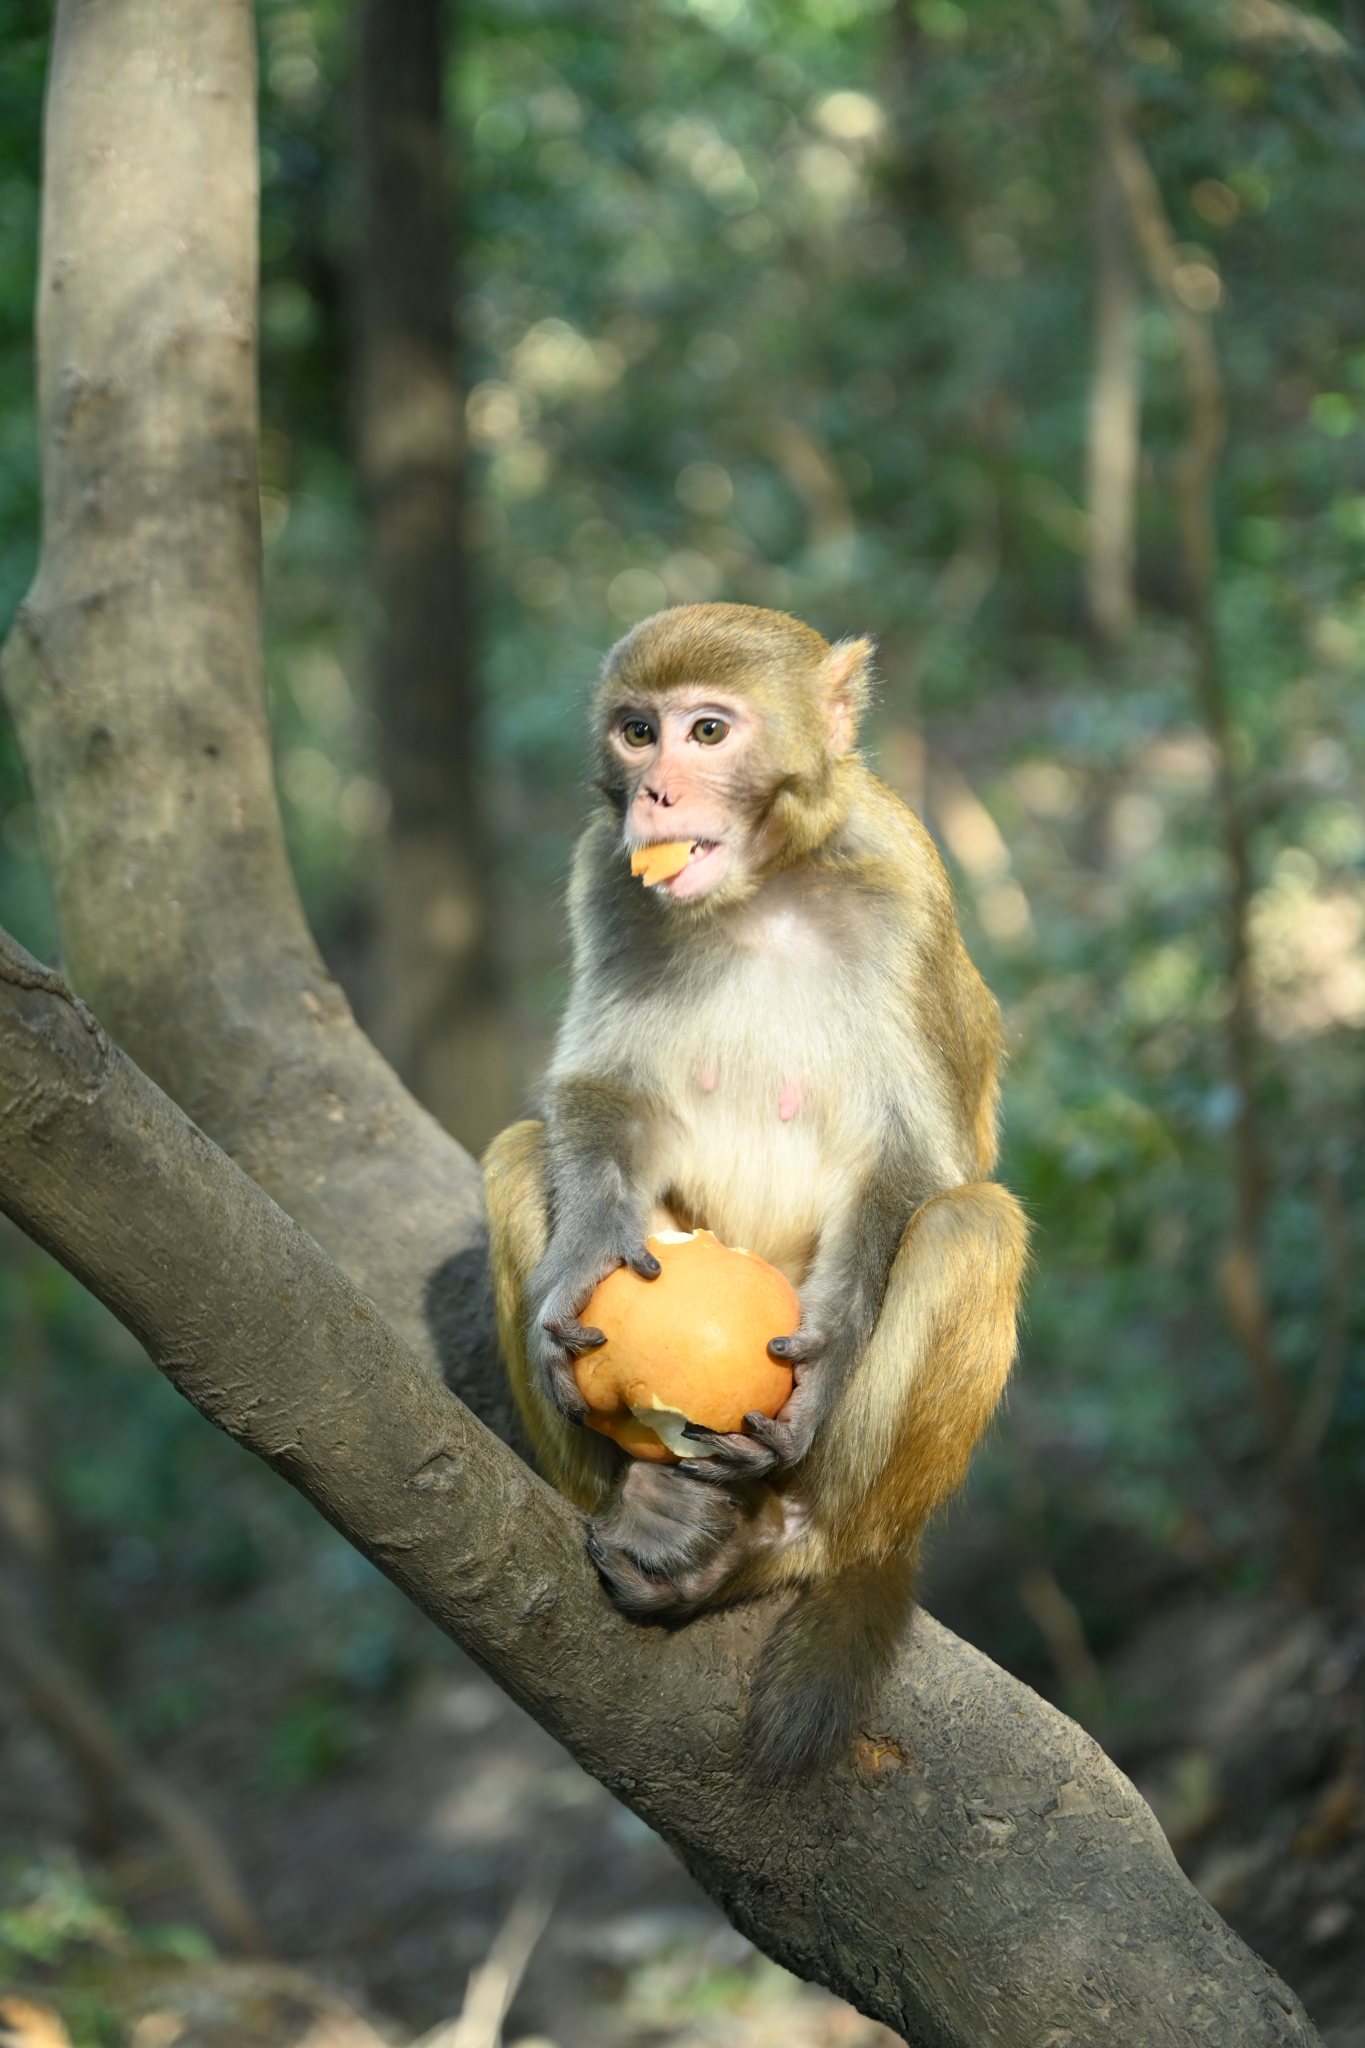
{"x":820,"y":1672}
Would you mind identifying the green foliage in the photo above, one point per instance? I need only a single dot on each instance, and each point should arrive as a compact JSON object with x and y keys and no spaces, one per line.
{"x":60,"y":1931}
{"x":52,"y":1906}
{"x":311,"y":1737}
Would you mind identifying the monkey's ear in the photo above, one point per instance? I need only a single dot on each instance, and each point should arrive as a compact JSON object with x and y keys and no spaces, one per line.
{"x":847,"y":681}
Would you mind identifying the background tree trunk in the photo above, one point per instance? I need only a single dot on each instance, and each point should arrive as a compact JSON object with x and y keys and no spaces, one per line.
{"x":1242,"y":1273}
{"x":438,"y":988}
{"x":1113,"y":440}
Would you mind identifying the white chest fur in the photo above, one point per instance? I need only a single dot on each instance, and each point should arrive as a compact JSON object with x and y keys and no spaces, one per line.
{"x":777,"y":1058}
{"x":771,"y":1101}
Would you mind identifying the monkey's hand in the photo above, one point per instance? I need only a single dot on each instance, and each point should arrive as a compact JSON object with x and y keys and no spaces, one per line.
{"x":768,"y":1443}
{"x":562,"y":1286}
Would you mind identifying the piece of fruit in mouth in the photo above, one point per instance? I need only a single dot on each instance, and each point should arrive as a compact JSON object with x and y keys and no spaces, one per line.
{"x":660,"y":862}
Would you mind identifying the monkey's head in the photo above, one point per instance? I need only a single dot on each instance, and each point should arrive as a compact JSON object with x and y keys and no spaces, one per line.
{"x":725,"y":725}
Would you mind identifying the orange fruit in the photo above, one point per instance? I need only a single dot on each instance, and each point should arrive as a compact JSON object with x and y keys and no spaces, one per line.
{"x":661,"y":861}
{"x":691,"y":1346}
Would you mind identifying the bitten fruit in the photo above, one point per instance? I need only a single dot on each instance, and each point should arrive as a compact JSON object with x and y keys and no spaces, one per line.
{"x":661,"y":862}
{"x":691,"y":1346}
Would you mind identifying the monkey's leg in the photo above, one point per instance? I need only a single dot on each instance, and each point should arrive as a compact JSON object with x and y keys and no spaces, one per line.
{"x":575,"y":1461}
{"x":661,"y":1544}
{"x":900,"y":1440}
{"x":895,"y":1447}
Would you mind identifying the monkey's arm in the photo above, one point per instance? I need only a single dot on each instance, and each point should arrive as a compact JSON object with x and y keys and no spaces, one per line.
{"x":595,"y":1127}
{"x":840,"y":1303}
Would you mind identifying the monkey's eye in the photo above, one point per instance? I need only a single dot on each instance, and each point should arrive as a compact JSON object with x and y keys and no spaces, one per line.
{"x":710,"y":731}
{"x":637,"y":732}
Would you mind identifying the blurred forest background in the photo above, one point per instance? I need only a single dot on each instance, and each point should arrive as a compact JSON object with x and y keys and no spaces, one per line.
{"x":921,"y":319}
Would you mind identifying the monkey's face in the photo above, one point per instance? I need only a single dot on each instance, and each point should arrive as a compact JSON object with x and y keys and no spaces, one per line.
{"x":721,"y":727}
{"x":681,"y":769}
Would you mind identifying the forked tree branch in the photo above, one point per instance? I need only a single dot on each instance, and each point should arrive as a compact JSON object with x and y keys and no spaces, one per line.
{"x":980,"y":1876}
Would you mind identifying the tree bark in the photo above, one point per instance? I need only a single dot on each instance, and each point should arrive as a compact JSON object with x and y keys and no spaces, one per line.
{"x":133,"y":673}
{"x":438,"y":1005}
{"x":980,"y":1877}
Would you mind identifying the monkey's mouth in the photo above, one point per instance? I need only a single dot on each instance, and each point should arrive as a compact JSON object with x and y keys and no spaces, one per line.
{"x":706,"y":863}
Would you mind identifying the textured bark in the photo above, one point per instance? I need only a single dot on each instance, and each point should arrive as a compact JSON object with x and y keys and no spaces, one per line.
{"x":438,"y":1004}
{"x":134,"y":670}
{"x":981,"y":1877}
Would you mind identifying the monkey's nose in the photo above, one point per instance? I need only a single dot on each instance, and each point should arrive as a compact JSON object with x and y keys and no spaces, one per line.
{"x":659,"y":796}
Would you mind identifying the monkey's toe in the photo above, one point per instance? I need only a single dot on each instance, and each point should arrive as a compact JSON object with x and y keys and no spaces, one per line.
{"x":665,"y":1543}
{"x":633,"y":1589}
{"x":675,"y":1595}
{"x":668,"y":1529}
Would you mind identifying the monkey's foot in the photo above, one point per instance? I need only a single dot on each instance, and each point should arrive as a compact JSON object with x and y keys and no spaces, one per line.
{"x":665,"y":1544}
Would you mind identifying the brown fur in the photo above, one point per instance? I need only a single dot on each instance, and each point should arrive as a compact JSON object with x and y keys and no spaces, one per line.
{"x":828,"y":956}
{"x":579,"y":1464}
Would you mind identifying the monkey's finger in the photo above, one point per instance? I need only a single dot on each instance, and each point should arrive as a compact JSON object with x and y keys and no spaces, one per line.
{"x":698,"y":1433}
{"x":799,"y":1348}
{"x":565,"y":1392}
{"x":726,"y":1458}
{"x":716,"y":1473}
{"x":561,"y":1391}
{"x":573,"y":1335}
{"x":642,"y":1261}
{"x":717,"y":1440}
{"x":780,"y":1439}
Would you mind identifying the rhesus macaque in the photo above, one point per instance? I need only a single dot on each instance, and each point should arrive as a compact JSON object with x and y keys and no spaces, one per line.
{"x":787,"y":1044}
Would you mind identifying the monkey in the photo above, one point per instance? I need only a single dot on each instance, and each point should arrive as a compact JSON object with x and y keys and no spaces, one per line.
{"x":785,"y":1043}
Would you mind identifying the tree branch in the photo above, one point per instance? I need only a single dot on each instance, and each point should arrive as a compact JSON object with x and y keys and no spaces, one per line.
{"x":981,"y":1875}
{"x":1114,"y":424}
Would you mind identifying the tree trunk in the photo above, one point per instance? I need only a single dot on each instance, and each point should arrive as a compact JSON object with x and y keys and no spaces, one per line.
{"x":437,"y":1009}
{"x":134,"y":679}
{"x":1113,"y":443}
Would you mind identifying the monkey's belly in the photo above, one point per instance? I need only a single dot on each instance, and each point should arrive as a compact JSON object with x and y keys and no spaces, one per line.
{"x":756,"y":1186}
